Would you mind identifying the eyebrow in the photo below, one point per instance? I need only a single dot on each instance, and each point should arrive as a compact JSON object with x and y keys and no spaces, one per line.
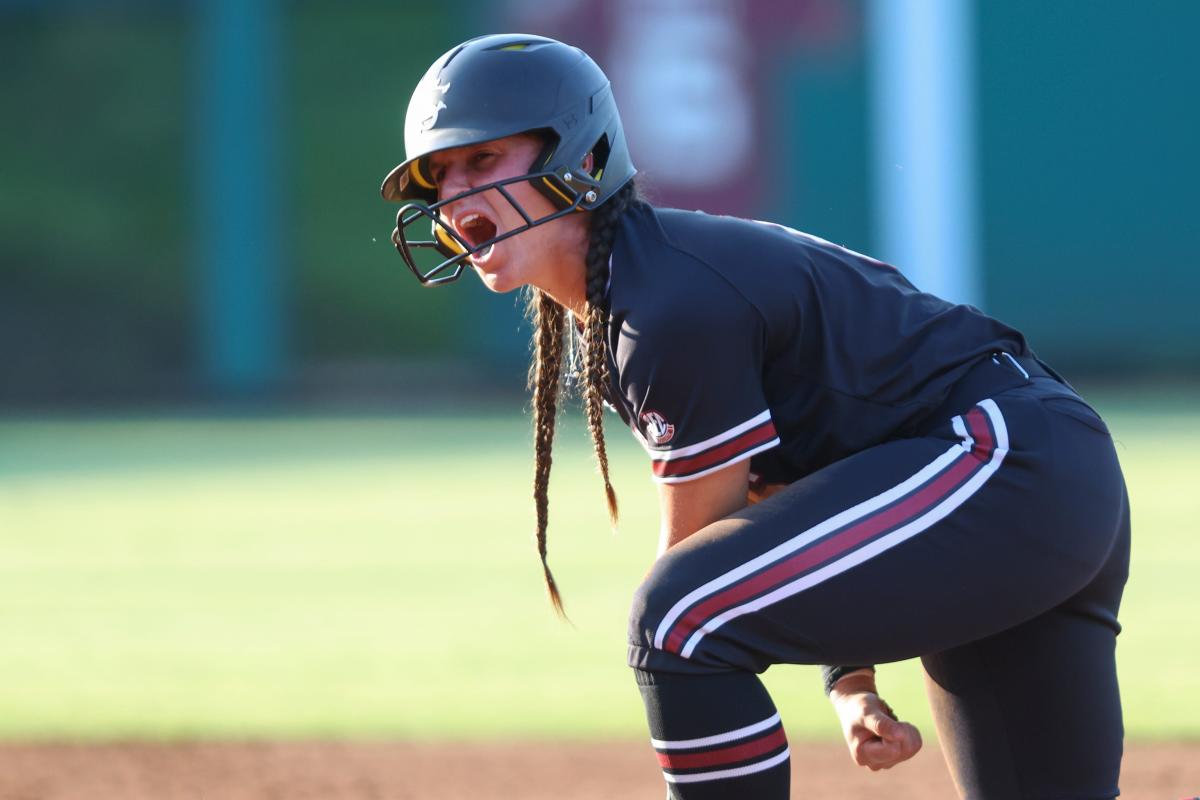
{"x":467,"y":148}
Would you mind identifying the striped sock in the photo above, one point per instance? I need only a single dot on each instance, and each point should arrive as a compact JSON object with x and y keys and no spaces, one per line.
{"x":717,"y":737}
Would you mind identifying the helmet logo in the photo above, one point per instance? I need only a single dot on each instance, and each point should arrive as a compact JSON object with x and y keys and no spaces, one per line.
{"x":658,"y":430}
{"x":439,"y":98}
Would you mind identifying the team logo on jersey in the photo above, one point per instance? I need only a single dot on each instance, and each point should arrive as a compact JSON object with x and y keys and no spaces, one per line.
{"x":439,"y":103}
{"x":658,"y":430}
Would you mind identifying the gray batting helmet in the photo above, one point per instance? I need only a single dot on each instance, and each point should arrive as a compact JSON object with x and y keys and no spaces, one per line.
{"x":496,"y":86}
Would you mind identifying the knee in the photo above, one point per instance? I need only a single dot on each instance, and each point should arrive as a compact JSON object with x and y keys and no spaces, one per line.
{"x":656,"y":599}
{"x":657,"y":615}
{"x":646,"y":611}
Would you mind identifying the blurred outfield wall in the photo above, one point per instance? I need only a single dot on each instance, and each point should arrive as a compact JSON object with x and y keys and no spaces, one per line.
{"x":1086,"y":119}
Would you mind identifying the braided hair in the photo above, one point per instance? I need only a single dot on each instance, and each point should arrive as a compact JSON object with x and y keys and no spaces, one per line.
{"x":546,"y":370}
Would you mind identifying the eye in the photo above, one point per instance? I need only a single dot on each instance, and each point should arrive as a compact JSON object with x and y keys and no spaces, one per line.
{"x":483,"y":158}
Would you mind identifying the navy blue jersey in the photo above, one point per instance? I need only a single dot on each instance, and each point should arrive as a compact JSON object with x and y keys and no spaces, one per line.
{"x":733,"y":339}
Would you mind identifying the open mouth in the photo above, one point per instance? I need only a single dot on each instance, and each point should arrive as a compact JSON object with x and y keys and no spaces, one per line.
{"x":476,"y":229}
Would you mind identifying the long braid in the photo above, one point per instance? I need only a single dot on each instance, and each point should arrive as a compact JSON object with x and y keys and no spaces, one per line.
{"x":545,"y":373}
{"x":601,"y":233}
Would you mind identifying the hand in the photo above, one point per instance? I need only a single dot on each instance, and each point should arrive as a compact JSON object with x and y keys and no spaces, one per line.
{"x":876,"y":739}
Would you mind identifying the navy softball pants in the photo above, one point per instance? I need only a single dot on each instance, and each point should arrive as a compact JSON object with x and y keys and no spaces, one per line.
{"x":994,"y":546}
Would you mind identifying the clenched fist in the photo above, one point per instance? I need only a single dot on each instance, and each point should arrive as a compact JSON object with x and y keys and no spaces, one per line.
{"x":876,"y":739}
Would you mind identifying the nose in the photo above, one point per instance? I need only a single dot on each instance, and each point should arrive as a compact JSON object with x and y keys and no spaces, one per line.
{"x":454,"y":182}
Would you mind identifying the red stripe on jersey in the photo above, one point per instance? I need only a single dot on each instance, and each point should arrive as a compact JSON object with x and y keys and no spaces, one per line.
{"x":725,"y":755}
{"x":724,"y":452}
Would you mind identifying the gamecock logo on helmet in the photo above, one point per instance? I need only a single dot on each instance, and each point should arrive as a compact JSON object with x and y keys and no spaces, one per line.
{"x":439,"y":103}
{"x":658,"y":430}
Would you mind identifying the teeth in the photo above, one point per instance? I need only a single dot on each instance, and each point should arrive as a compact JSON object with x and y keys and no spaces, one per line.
{"x":468,"y":219}
{"x":483,"y":255}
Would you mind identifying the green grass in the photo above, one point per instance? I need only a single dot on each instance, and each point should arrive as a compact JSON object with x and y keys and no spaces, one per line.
{"x":372,"y":577}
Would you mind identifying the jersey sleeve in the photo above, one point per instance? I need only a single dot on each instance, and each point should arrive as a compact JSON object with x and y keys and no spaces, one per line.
{"x":692,"y":378}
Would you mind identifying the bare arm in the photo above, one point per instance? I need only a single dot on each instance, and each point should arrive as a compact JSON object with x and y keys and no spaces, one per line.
{"x":689,"y":506}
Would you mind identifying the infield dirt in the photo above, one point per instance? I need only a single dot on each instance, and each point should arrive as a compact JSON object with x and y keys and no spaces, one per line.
{"x":532,"y":771}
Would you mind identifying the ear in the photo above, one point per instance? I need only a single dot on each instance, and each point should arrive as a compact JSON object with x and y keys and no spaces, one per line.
{"x":588,"y":162}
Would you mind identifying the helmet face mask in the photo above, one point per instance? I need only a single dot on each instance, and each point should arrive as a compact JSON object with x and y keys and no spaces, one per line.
{"x":489,"y":88}
{"x":440,"y":259}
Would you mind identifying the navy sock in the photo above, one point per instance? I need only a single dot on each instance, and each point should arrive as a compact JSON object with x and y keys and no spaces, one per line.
{"x":717,"y":736}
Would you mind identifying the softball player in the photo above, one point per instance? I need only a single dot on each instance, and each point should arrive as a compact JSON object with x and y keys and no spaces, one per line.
{"x":851,"y":471}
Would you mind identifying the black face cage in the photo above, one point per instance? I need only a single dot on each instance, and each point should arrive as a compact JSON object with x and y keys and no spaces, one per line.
{"x":570,"y":191}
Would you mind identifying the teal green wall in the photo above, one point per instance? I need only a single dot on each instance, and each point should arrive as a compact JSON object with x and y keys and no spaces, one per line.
{"x":1088,"y":115}
{"x":818,"y":135}
{"x":352,"y":68}
{"x":94,"y":284}
{"x":1089,"y":127}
